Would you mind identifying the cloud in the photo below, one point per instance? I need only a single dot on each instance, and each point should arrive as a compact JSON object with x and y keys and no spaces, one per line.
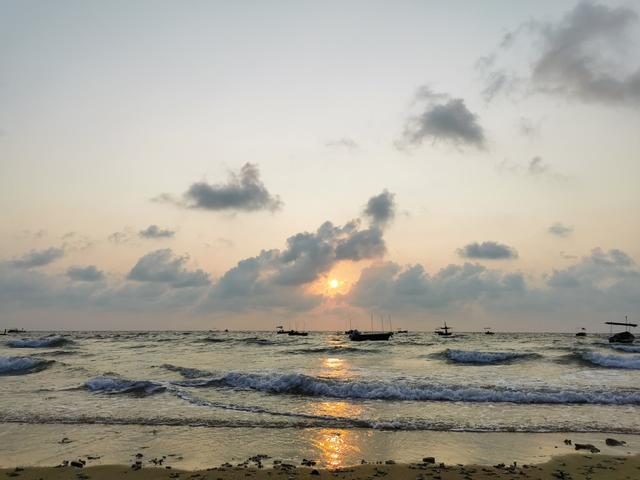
{"x":442,"y":119}
{"x":277,"y":278}
{"x":344,"y":142}
{"x":388,"y":286}
{"x":585,"y":55}
{"x":161,"y":266}
{"x":603,"y":281}
{"x":560,"y":230}
{"x":244,"y":191}
{"x":487,"y":251}
{"x":126,"y":236}
{"x":153,"y":231}
{"x":38,"y":258}
{"x":85,"y":274}
{"x":537,"y":166}
{"x":381,"y":209}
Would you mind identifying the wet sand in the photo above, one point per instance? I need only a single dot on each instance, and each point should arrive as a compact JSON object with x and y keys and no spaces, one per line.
{"x":575,"y":466}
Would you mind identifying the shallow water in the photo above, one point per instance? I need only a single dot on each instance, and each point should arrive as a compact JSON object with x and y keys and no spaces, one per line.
{"x":414,"y":382}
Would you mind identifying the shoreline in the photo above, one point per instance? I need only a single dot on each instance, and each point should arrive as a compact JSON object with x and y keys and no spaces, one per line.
{"x":572,"y":466}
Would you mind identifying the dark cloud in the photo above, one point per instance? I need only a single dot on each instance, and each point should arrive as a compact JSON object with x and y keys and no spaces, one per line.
{"x":487,"y":251}
{"x":598,"y":270}
{"x":162,"y":266}
{"x":442,"y":119}
{"x":585,"y":55}
{"x":244,"y":191}
{"x":344,"y":142}
{"x":38,"y":258}
{"x":153,"y":231}
{"x":560,"y":230}
{"x":381,"y":209}
{"x":277,"y":278}
{"x":85,"y":274}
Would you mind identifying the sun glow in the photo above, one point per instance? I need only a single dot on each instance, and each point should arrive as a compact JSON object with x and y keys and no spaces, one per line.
{"x":333,"y":283}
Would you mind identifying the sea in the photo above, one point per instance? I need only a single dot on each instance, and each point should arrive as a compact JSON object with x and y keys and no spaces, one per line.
{"x":277,"y":390}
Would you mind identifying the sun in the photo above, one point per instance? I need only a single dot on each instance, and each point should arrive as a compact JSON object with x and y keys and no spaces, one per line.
{"x":333,"y":283}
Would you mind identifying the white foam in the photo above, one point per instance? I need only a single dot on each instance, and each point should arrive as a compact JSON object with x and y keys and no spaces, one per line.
{"x":626,"y":348}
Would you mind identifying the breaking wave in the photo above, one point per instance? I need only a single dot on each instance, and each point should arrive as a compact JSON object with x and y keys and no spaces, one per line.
{"x":114,"y":385}
{"x":484,"y":358}
{"x":612,"y":361}
{"x":39,"y":342}
{"x":299,"y":384}
{"x":22,"y":365}
{"x":626,"y":348}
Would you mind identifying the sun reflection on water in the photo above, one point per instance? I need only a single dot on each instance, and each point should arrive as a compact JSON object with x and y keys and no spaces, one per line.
{"x":334,"y":446}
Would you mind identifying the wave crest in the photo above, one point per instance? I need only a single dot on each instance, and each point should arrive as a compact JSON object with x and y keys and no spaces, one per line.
{"x":612,"y":361}
{"x":22,"y":365}
{"x":114,"y":385}
{"x":484,"y":358}
{"x":300,"y":384}
{"x":42,"y":342}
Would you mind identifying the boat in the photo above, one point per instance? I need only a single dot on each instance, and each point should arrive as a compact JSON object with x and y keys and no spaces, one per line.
{"x":444,"y":331}
{"x":357,"y":336}
{"x":296,"y":333}
{"x":582,"y":332}
{"x":349,"y":332}
{"x":4,"y":333}
{"x":400,"y":330}
{"x":280,"y":330}
{"x":15,"y":330}
{"x":488,"y":331}
{"x":622,"y":337}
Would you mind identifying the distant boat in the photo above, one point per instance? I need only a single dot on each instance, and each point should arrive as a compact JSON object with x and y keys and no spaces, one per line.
{"x":296,"y":333}
{"x":622,"y":337}
{"x":444,"y":331}
{"x":400,"y":330}
{"x":488,"y":331}
{"x":280,"y":330}
{"x":4,"y":333}
{"x":582,"y":332}
{"x":15,"y":330}
{"x":357,"y":336}
{"x":349,"y":332}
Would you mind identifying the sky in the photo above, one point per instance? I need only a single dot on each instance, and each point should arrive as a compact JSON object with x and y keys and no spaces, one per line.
{"x":241,"y":165}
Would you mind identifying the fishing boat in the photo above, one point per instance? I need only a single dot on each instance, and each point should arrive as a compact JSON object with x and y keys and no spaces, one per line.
{"x":280,"y":330}
{"x":400,"y":330}
{"x":296,"y":333}
{"x":358,"y":336}
{"x":488,"y":331}
{"x":15,"y":330}
{"x":443,"y":331}
{"x":622,"y":337}
{"x":582,"y":332}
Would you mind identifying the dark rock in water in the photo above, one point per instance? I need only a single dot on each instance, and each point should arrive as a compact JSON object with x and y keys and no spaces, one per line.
{"x":315,"y":472}
{"x":612,"y":442}
{"x":586,"y":446}
{"x":76,"y":464}
{"x":567,"y":441}
{"x":64,"y":440}
{"x":390,"y":462}
{"x":429,"y":459}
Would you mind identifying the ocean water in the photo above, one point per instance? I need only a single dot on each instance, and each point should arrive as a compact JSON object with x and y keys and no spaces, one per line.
{"x":415,"y":382}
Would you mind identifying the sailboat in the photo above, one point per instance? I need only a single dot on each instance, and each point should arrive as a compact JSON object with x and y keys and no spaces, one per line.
{"x":444,"y":331}
{"x":488,"y":331}
{"x":582,"y":332}
{"x":622,"y":337}
{"x":280,"y":330}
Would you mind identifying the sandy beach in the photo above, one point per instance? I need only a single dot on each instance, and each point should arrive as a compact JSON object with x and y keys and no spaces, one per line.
{"x":574,"y":466}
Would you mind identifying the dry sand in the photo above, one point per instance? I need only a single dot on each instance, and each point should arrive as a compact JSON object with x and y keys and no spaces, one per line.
{"x":574,"y":467}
